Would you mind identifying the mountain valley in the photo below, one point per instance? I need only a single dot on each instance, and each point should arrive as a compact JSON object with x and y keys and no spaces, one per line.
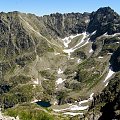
{"x":71,"y":61}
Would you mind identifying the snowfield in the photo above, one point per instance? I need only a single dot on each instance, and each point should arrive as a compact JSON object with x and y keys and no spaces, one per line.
{"x":67,"y":40}
{"x":72,"y":108}
{"x":84,"y":36}
{"x":83,"y":42}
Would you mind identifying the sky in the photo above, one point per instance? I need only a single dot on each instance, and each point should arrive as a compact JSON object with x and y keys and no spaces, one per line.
{"x":45,"y":7}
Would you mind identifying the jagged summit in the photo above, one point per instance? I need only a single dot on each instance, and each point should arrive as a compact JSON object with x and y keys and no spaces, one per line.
{"x":104,"y":20}
{"x":105,"y":9}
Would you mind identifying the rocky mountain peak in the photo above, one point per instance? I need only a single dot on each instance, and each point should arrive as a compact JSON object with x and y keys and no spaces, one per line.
{"x":104,"y":20}
{"x":105,"y":10}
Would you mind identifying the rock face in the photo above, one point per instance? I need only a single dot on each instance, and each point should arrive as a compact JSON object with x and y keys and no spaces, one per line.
{"x":66,"y":24}
{"x":104,"y":20}
{"x":36,"y":64}
{"x":115,"y":60}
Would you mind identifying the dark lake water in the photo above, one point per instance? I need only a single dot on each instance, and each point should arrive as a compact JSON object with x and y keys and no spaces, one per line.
{"x":43,"y":104}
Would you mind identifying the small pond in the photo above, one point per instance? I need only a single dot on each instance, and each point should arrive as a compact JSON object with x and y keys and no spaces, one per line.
{"x":43,"y":104}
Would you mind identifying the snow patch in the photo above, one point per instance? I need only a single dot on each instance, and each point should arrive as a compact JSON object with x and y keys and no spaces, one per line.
{"x":69,"y":51}
{"x":36,"y":81}
{"x":109,"y":53}
{"x":106,"y":84}
{"x":72,"y":114}
{"x":84,"y":101}
{"x":72,"y":108}
{"x":75,"y":72}
{"x":91,"y":96}
{"x":84,"y":36}
{"x":34,"y":86}
{"x":100,"y":57}
{"x":57,"y":53}
{"x":59,"y":71}
{"x":34,"y":101}
{"x":87,"y":21}
{"x":110,"y":73}
{"x":79,"y":60}
{"x":67,"y":40}
{"x":60,"y":80}
{"x":93,"y":33}
{"x":56,"y":110}
{"x":89,"y":99}
{"x":91,"y":50}
{"x":55,"y":103}
{"x":76,"y":107}
{"x":113,"y":35}
{"x":84,"y":43}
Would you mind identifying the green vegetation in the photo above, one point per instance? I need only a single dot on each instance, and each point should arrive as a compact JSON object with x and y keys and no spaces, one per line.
{"x":68,"y":71}
{"x":46,"y":74}
{"x":49,"y":86}
{"x":16,"y":95}
{"x":17,"y":80}
{"x":29,"y":112}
